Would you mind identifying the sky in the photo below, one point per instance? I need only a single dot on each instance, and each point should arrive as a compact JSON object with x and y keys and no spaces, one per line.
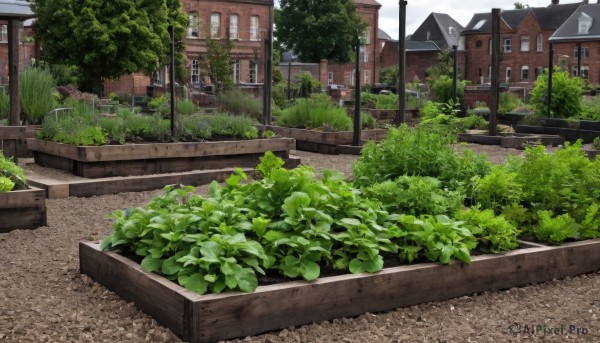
{"x":460,"y":10}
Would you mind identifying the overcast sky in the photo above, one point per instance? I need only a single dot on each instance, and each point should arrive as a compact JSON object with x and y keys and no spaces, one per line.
{"x":460,"y":10}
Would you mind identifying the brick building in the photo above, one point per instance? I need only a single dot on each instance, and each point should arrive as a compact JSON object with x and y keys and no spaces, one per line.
{"x":582,"y":28}
{"x":524,"y":38}
{"x":27,"y":50}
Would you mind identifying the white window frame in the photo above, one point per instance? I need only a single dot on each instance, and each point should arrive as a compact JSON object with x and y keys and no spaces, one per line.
{"x":353,"y":76}
{"x":253,"y":72}
{"x":233,"y":26}
{"x":507,"y":45}
{"x":539,"y":43}
{"x":585,"y":71}
{"x":525,"y":39}
{"x":254,"y":23}
{"x":215,"y":25}
{"x":236,"y":71}
{"x":524,"y":70}
{"x":366,"y":77}
{"x":490,"y":47}
{"x":451,"y":30}
{"x":585,"y":52}
{"x":508,"y":74}
{"x":330,"y":78}
{"x":368,"y":36}
{"x":193,"y":25}
{"x":195,"y":72}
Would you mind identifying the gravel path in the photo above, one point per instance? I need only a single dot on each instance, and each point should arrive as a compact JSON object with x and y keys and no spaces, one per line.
{"x":43,"y":298}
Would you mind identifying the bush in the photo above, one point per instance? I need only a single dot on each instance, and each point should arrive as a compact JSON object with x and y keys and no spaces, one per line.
{"x":307,"y":85}
{"x":317,"y":112}
{"x":35,"y":88}
{"x":566,"y":95}
{"x":185,"y":107}
{"x":590,"y":109}
{"x":442,"y":87}
{"x":508,"y":102}
{"x":237,"y":102}
{"x":4,"y":103}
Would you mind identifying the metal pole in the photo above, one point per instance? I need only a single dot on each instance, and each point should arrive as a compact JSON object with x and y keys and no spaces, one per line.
{"x":172,"y":80}
{"x":269,"y":74}
{"x":357,"y":122}
{"x":399,"y":119}
{"x":14,"y":116}
{"x":550,"y":72}
{"x":495,"y":89}
{"x":579,"y":59}
{"x":454,"y":72}
{"x":289,"y":78}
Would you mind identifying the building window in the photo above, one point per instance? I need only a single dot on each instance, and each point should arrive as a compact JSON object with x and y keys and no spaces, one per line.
{"x":508,"y":73}
{"x":539,"y":70}
{"x":507,"y":45}
{"x":233,"y":26}
{"x":585,"y":71}
{"x":367,"y":77}
{"x":330,"y":78}
{"x":195,"y":71}
{"x":253,"y":71}
{"x":254,"y":28}
{"x":489,"y":71}
{"x":585,"y":23}
{"x":478,"y":44}
{"x":524,"y":73}
{"x":451,"y":30}
{"x":525,"y":43}
{"x":368,"y":36}
{"x":585,"y":52}
{"x":538,"y":41}
{"x":215,"y":24}
{"x":193,"y":25}
{"x":490,"y":47}
{"x":479,"y":72}
{"x":236,"y":71}
{"x":365,"y":55}
{"x":353,"y":82}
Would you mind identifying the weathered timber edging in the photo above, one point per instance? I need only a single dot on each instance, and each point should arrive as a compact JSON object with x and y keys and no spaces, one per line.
{"x":22,"y":209}
{"x":213,"y":317}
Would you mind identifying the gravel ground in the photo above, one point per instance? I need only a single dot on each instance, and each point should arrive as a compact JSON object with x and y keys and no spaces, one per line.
{"x":44,"y":298}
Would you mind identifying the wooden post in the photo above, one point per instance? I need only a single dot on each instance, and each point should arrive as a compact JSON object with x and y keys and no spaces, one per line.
{"x":357,"y":121}
{"x":14,"y":117}
{"x":172,"y":79}
{"x":495,"y":70}
{"x":579,"y":59}
{"x":550,"y":72}
{"x":401,"y":63}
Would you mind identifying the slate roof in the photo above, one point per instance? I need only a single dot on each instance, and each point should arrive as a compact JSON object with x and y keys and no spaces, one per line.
{"x":569,"y":31}
{"x":415,"y":45}
{"x":549,"y":18}
{"x":383,"y":35}
{"x":438,"y":25}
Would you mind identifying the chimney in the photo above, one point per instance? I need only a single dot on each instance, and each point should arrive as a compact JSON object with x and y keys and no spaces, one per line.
{"x":554,"y":2}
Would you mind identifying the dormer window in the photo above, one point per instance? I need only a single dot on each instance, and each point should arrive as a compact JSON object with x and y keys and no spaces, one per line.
{"x":585,"y":23}
{"x":451,"y":30}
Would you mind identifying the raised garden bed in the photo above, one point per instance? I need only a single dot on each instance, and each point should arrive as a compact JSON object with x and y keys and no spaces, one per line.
{"x":570,"y":129}
{"x":22,"y":209}
{"x":324,"y":142}
{"x":155,"y":158}
{"x":513,"y":140}
{"x":10,"y":137}
{"x":209,"y":318}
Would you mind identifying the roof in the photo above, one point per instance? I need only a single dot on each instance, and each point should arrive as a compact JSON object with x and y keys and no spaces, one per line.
{"x":15,"y":9}
{"x":569,"y":30}
{"x":383,"y":35}
{"x":549,"y":18}
{"x":414,"y":46}
{"x":437,"y":27}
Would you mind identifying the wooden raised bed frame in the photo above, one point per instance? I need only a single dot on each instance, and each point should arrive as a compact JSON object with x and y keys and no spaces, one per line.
{"x":157,"y":158}
{"x":324,"y":142}
{"x":213,"y":317}
{"x":22,"y":209}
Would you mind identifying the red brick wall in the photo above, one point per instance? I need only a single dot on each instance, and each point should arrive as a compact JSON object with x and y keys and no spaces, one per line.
{"x":479,"y":59}
{"x":592,"y":62}
{"x":131,"y":84}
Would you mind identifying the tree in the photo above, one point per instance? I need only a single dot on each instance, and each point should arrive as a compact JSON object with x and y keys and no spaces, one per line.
{"x":219,"y":63}
{"x":520,"y":6}
{"x":566,"y":94}
{"x":318,"y":30}
{"x":443,"y":67}
{"x":389,"y":75}
{"x":109,"y":38}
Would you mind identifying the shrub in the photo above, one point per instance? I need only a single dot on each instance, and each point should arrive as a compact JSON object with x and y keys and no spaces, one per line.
{"x":316,"y":112}
{"x":307,"y":84}
{"x":35,"y":88}
{"x":185,"y":107}
{"x":566,"y":95}
{"x":590,"y":109}
{"x":157,"y":102}
{"x":508,"y":102}
{"x":237,"y":102}
{"x":596,"y":143}
{"x":4,"y":103}
{"x":442,"y":87}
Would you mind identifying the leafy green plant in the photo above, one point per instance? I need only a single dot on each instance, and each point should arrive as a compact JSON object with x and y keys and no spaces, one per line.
{"x":494,"y":232}
{"x":4,"y":103}
{"x":13,"y":174}
{"x":315,"y":112}
{"x":566,"y":95}
{"x":596,"y":143}
{"x":6,"y":184}
{"x":307,"y":85}
{"x":157,"y":102}
{"x":442,"y":87}
{"x":35,"y":89}
{"x":508,"y":102}
{"x":185,"y":107}
{"x":496,"y":190}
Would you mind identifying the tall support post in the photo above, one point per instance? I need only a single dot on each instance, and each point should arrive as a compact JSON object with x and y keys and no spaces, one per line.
{"x":550,"y":73}
{"x":454,"y":72}
{"x":399,"y":119}
{"x":172,"y":79}
{"x":495,"y":89}
{"x":357,"y":122}
{"x":14,"y":117}
{"x":268,"y":82}
{"x":579,"y":59}
{"x":289,"y":78}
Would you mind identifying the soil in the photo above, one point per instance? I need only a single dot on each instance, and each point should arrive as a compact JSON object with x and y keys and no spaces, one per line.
{"x":44,"y":298}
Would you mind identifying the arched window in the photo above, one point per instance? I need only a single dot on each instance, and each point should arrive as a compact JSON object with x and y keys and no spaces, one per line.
{"x":193,"y":26}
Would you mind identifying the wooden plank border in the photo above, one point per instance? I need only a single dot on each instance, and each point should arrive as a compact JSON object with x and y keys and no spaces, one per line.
{"x":213,"y":317}
{"x":160,"y":150}
{"x":22,"y":209}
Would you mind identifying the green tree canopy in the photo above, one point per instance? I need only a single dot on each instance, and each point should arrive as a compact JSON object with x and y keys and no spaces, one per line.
{"x":219,"y":65}
{"x":109,"y":38}
{"x":317,"y":30}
